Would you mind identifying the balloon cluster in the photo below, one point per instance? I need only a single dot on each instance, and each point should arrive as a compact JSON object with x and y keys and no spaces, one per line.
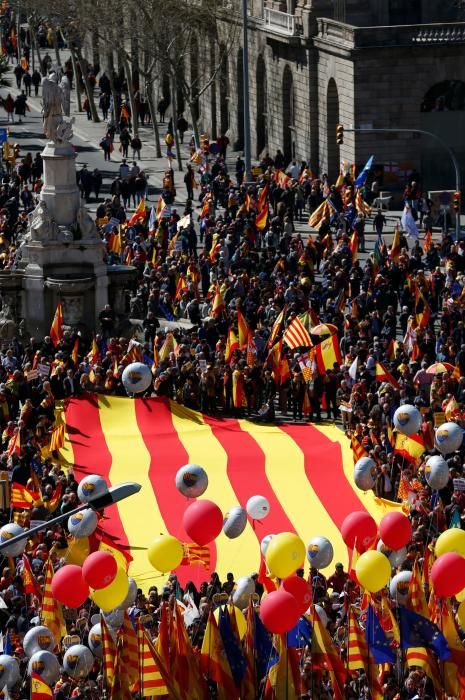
{"x":202,"y":519}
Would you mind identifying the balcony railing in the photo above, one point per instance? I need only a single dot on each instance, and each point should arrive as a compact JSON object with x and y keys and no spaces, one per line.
{"x":279,"y":22}
{"x":348,"y":36}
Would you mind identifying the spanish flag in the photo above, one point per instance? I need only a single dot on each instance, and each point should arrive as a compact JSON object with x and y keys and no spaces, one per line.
{"x":139,"y":214}
{"x":353,"y":245}
{"x":74,"y":354}
{"x":263,"y":197}
{"x":411,"y":447}
{"x":277,"y":327}
{"x":383,"y":375}
{"x":218,"y":305}
{"x":29,"y":580}
{"x":115,"y":244}
{"x":232,"y":344}
{"x":181,"y":287}
{"x":39,"y":689}
{"x":214,"y":662}
{"x":328,"y":354}
{"x":394,"y":253}
{"x":243,"y":328}
{"x":56,"y":331}
{"x":161,"y":206}
{"x":261,"y":220}
{"x":94,"y":354}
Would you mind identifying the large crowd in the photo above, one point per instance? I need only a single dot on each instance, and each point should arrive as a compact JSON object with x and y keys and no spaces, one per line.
{"x":220,"y":281}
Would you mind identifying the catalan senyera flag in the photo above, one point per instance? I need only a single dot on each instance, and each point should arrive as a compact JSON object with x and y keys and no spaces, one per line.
{"x":51,"y":614}
{"x":324,"y":211}
{"x":327,"y":354}
{"x":357,"y":449}
{"x":157,"y":436}
{"x":120,"y":685}
{"x":130,"y":651}
{"x":57,"y":439}
{"x":325,"y":656}
{"x":39,"y":689}
{"x":454,"y":666}
{"x":277,"y":327}
{"x":56,"y":330}
{"x":21,"y":497}
{"x":416,"y":599}
{"x":383,"y":375}
{"x":360,"y":658}
{"x":151,"y":681}
{"x":108,"y":654}
{"x":425,"y":659}
{"x":296,"y":335}
{"x":139,"y":214}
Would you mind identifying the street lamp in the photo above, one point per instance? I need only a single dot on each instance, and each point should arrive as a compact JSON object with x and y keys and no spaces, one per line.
{"x":245,"y":87}
{"x":113,"y":495}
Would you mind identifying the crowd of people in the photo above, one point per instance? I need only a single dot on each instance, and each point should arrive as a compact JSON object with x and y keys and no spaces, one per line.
{"x":234,"y":312}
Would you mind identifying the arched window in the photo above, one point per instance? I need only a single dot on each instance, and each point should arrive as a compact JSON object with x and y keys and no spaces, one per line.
{"x":262,"y":131}
{"x":332,"y":119}
{"x":288,"y":114}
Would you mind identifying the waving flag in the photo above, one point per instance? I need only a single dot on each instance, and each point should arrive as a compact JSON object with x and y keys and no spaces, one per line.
{"x":139,"y":214}
{"x":157,"y":436}
{"x":363,"y":175}
{"x":56,"y":330}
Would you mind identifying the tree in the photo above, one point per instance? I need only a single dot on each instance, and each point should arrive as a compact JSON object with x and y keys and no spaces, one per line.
{"x":4,"y":70}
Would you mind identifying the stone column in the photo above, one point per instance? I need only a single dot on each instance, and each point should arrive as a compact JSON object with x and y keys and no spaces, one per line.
{"x":60,"y":191}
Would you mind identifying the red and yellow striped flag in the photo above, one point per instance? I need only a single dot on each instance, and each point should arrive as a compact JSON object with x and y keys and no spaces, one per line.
{"x":358,"y":656}
{"x":243,"y":328}
{"x":120,"y":687}
{"x":108,"y":654}
{"x":150,"y":679}
{"x":261,"y":220}
{"x":296,"y":335}
{"x":276,"y":327}
{"x":416,"y":600}
{"x":328,"y":354}
{"x":56,"y":330}
{"x":424,"y":659}
{"x":21,"y":497}
{"x":51,"y":614}
{"x":139,"y":214}
{"x":218,"y":305}
{"x":357,"y":448}
{"x":196,"y":554}
{"x":57,"y":439}
{"x":29,"y":580}
{"x":39,"y":689}
{"x":214,"y":662}
{"x":94,"y":354}
{"x":74,"y":354}
{"x":129,"y":654}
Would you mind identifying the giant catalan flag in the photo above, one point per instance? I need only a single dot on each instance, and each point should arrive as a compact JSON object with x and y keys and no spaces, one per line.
{"x":306,"y":473}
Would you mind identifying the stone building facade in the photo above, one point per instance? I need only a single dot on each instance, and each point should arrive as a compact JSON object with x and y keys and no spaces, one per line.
{"x":395,"y":64}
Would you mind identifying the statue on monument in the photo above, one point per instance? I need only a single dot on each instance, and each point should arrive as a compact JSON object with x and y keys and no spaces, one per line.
{"x":40,"y":223}
{"x":54,"y":104}
{"x":66,"y":90}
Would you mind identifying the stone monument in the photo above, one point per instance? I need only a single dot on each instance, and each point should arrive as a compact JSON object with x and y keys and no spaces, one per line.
{"x":62,"y":255}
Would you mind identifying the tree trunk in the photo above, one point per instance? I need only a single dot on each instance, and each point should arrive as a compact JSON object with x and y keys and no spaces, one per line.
{"x":174,"y":110}
{"x":76,"y":78}
{"x":55,"y":46}
{"x":115,"y":98}
{"x":149,"y":87}
{"x":128,"y":74}
{"x":35,"y":45}
{"x":89,"y":91}
{"x":194,"y":123}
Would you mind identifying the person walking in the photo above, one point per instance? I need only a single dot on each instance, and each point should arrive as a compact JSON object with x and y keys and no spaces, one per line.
{"x":21,"y":106}
{"x":189,"y":179}
{"x":379,"y":222}
{"x":136,"y":145}
{"x":9,"y":107}
{"x":27,"y":81}
{"x":125,"y":140}
{"x":36,"y":79}
{"x":182,"y":127}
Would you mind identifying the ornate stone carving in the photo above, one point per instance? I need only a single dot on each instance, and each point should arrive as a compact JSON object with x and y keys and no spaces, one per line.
{"x":41,"y":225}
{"x":54,"y":104}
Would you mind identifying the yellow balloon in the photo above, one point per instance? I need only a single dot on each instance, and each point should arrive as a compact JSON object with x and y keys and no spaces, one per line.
{"x":78,"y":551}
{"x":460,"y":596}
{"x":285,"y":553}
{"x":165,"y":553}
{"x":461,"y":615}
{"x":452,"y":540}
{"x":113,"y":595}
{"x":373,"y":570}
{"x":240,"y":619}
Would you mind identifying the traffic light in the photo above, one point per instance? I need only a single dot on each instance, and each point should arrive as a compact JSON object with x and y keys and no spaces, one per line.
{"x":456,"y":201}
{"x":340,"y":134}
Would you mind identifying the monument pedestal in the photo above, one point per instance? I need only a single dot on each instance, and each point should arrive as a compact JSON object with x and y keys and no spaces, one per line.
{"x":63,"y":256}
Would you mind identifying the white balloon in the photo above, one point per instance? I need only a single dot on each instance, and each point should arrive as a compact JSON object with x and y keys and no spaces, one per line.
{"x":258,"y":507}
{"x":448,"y":438}
{"x":38,"y":639}
{"x":114,"y":618}
{"x":78,"y":661}
{"x":136,"y":378}
{"x":407,"y":419}
{"x":437,"y":472}
{"x":7,"y":532}
{"x":95,"y":619}
{"x":91,"y":486}
{"x":234,"y":522}
{"x":264,"y":543}
{"x":398,"y":586}
{"x":46,"y":665}
{"x":245,"y":586}
{"x":321,"y":614}
{"x":365,"y":473}
{"x":320,"y":552}
{"x":131,"y":596}
{"x":9,"y":671}
{"x":95,"y":640}
{"x":83,"y":524}
{"x":192,"y":480}
{"x":395,"y":556}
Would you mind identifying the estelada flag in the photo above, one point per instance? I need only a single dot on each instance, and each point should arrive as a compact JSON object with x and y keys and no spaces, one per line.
{"x":139,"y":214}
{"x":39,"y":689}
{"x":383,"y":375}
{"x":56,"y":330}
{"x":328,"y":354}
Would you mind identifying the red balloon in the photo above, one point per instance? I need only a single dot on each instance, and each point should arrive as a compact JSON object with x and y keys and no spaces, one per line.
{"x":279,"y":612}
{"x":99,"y":569}
{"x":203,"y":521}
{"x":448,"y":574}
{"x":395,"y":530}
{"x":69,"y":587}
{"x":300,"y":589}
{"x":359,"y":529}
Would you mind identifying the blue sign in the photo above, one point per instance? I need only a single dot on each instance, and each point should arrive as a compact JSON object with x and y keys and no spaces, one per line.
{"x":3,"y":135}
